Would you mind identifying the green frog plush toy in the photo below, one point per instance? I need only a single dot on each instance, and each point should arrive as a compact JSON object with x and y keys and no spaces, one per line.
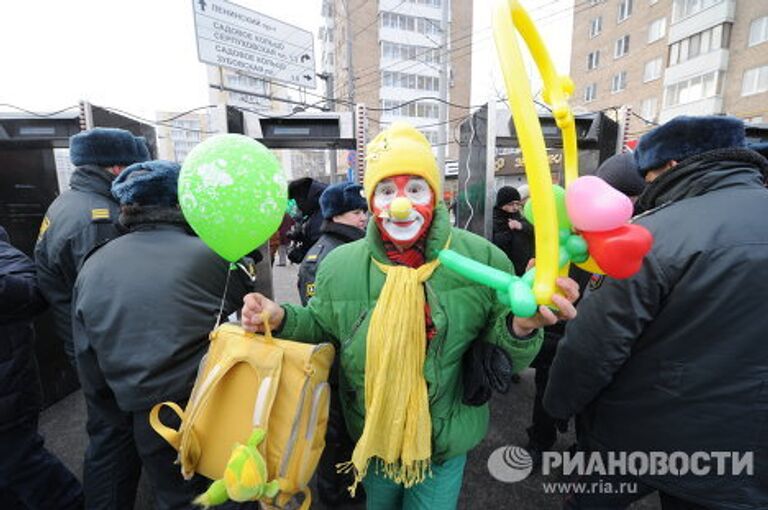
{"x":245,"y":477}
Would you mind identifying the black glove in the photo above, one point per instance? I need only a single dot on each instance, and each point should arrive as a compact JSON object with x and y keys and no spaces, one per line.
{"x":485,"y":367}
{"x":297,"y":252}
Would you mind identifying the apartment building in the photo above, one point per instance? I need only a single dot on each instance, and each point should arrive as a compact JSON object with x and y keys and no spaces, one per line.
{"x":389,"y":55}
{"x":178,"y":133}
{"x":665,"y":58}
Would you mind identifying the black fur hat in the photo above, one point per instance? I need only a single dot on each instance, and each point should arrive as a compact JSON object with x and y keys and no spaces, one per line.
{"x":149,"y":183}
{"x":107,"y":147}
{"x":683,"y":137}
{"x":340,"y":198}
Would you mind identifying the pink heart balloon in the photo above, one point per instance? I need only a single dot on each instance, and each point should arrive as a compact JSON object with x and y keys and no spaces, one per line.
{"x":595,"y":206}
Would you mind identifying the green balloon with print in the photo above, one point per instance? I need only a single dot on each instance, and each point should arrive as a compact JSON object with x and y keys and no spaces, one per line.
{"x":233,"y":194}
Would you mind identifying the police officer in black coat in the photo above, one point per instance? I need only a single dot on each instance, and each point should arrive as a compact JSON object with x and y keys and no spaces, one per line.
{"x":143,"y":306}
{"x":675,"y":358}
{"x":83,"y":217}
{"x":343,"y":208}
{"x":344,"y":213}
{"x":306,"y":231}
{"x":30,"y":476}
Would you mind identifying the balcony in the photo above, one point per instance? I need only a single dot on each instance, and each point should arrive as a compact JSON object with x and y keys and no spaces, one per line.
{"x":719,"y":13}
{"x":707,"y":106}
{"x":713,"y":61}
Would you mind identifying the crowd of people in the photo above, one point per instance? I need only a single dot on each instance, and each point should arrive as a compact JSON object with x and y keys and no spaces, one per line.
{"x":673,"y":358}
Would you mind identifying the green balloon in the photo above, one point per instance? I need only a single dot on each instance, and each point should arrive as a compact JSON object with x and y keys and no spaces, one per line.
{"x":528,"y":211}
{"x":233,"y":194}
{"x":563,"y":222}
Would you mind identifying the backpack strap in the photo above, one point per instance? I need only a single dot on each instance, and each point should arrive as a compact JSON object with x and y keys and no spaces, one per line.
{"x":172,"y":436}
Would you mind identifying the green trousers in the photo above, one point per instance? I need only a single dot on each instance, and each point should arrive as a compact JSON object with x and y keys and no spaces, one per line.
{"x":438,"y":492}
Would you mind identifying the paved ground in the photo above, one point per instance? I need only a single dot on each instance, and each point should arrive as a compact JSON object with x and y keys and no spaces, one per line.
{"x":63,"y":426}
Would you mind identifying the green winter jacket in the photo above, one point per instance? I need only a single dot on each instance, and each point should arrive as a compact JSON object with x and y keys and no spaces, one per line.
{"x":347,"y":287}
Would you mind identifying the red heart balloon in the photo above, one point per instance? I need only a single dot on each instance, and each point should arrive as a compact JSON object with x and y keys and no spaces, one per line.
{"x":619,"y":252}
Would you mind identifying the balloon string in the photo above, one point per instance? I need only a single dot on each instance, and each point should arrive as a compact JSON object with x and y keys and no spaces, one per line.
{"x":224,"y":296}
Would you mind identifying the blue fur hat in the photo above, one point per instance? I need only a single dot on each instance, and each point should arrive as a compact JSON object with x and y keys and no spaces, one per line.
{"x":107,"y":147}
{"x":340,"y":198}
{"x":148,"y":183}
{"x":683,"y":137}
{"x":143,"y":147}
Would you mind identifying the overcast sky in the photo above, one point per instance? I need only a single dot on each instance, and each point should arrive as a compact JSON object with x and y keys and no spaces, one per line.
{"x":141,"y":56}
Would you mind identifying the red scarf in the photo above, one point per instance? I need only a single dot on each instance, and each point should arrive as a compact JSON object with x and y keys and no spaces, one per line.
{"x":413,"y":257}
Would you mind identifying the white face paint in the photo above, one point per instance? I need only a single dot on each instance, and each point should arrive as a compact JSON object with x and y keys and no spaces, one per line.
{"x":417,"y":191}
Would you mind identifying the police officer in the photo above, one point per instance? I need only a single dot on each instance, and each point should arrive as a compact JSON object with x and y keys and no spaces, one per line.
{"x":30,"y":476}
{"x":83,"y":217}
{"x":344,"y":218}
{"x":143,"y":344}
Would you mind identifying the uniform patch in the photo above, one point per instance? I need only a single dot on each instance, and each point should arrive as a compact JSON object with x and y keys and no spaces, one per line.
{"x":312,"y":258}
{"x":596,"y":281}
{"x":310,"y":290}
{"x":43,"y":227}
{"x":99,"y":214}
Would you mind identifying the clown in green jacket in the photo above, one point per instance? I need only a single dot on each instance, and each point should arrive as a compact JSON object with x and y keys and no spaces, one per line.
{"x":402,"y":323}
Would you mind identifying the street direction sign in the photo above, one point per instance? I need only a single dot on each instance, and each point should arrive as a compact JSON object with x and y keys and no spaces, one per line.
{"x":231,"y":36}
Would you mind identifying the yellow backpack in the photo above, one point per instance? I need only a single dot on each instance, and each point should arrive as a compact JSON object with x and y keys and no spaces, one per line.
{"x":247,"y":381}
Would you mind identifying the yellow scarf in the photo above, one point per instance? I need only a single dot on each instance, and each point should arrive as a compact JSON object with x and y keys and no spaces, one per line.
{"x":398,"y":427}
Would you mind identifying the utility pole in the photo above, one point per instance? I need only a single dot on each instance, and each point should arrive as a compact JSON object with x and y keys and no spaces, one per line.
{"x":443,"y":108}
{"x":350,"y":77}
{"x":330,"y":104}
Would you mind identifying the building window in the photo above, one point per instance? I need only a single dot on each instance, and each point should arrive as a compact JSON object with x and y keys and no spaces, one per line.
{"x":694,"y":89}
{"x":758,"y":31}
{"x":709,"y":40}
{"x":619,"y":82}
{"x":653,"y":70}
{"x":625,"y":10}
{"x":409,"y":81}
{"x":424,"y":109}
{"x":396,"y":51}
{"x":418,"y":24}
{"x":682,"y":9}
{"x":590,"y":93}
{"x":430,"y":3}
{"x":649,"y":108}
{"x":755,"y":81}
{"x":595,"y":26}
{"x":593,"y":3}
{"x":657,"y":29}
{"x":593,"y":60}
{"x":622,"y":47}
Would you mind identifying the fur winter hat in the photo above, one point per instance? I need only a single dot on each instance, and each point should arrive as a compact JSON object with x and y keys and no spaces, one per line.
{"x":340,"y":198}
{"x":683,"y":137}
{"x":143,"y":147}
{"x":107,"y":147}
{"x":149,"y":183}
{"x":620,"y":171}
{"x":506,"y":195}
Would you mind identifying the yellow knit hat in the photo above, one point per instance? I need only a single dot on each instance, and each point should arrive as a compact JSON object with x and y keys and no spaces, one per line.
{"x":400,"y":150}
